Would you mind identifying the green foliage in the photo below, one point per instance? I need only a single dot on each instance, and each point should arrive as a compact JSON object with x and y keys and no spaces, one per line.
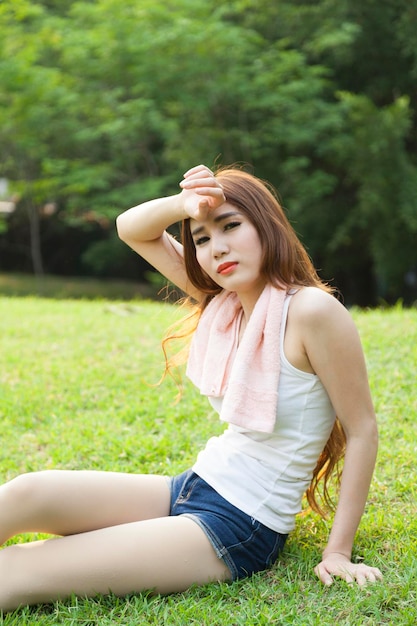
{"x":104,"y":104}
{"x":85,"y":399}
{"x":386,"y":185}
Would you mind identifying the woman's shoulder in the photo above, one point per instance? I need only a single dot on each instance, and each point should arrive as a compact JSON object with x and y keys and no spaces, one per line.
{"x":324,"y":328}
{"x":312,"y":305}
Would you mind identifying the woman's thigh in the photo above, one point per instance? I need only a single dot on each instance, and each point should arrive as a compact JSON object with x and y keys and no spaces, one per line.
{"x":165,"y":555}
{"x":68,"y":502}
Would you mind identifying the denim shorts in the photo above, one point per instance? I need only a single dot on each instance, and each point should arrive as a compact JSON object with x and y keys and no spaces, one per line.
{"x":245,"y":545}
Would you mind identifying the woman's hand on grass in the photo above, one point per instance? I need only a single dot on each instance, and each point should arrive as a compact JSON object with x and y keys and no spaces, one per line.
{"x":335,"y":564}
{"x":201,"y":192}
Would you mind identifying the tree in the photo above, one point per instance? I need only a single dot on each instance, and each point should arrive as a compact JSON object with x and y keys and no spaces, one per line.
{"x":103,"y":105}
{"x":364,"y":162}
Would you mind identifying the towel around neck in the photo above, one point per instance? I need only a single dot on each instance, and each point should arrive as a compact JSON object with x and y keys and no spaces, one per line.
{"x":244,"y":374}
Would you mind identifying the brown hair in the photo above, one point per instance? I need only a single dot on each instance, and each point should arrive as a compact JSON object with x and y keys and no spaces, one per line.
{"x":286,"y":264}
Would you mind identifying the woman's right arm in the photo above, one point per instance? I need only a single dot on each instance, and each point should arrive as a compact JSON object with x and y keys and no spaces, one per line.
{"x":143,"y":227}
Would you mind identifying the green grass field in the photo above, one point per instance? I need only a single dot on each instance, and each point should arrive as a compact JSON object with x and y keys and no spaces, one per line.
{"x":77,"y":392}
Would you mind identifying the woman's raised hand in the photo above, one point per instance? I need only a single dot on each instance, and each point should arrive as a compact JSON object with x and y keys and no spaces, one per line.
{"x":201,"y":192}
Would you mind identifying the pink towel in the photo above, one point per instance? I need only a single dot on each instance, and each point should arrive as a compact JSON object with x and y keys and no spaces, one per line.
{"x":245,"y":375}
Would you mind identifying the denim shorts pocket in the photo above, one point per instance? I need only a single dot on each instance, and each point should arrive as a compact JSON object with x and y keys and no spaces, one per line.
{"x":258,"y":551}
{"x":186,"y":489}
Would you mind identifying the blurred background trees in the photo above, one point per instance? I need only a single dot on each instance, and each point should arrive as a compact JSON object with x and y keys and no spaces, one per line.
{"x":104,"y":104}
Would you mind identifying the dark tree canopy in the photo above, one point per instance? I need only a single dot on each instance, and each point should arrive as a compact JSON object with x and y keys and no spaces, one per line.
{"x":104,"y":104}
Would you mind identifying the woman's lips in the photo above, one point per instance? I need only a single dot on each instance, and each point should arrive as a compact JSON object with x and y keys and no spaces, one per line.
{"x":226,"y":268}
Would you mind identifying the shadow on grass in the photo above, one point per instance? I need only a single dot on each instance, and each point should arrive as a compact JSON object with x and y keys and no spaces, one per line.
{"x":62,"y":287}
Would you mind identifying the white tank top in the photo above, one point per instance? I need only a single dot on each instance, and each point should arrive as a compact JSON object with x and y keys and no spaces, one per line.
{"x":265,"y":475}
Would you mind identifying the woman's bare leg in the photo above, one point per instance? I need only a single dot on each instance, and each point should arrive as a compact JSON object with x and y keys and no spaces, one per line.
{"x":69,"y":502}
{"x":166,"y":554}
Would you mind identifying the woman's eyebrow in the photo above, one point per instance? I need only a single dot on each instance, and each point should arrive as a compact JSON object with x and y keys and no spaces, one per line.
{"x":219,"y":218}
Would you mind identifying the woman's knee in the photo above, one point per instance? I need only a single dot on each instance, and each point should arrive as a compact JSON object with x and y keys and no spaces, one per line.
{"x":26,"y":490}
{"x":21,"y":485}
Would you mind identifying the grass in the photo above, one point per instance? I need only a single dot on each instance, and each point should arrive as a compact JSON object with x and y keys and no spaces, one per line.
{"x":75,"y":287}
{"x":76,"y":385}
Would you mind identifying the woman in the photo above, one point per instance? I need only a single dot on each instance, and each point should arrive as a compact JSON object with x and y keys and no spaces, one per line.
{"x":279,"y":358}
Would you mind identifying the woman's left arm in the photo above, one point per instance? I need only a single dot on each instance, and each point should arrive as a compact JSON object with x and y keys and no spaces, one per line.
{"x":335,"y":353}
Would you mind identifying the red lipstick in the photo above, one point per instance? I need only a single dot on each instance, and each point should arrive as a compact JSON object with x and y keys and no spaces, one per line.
{"x":226,"y":268}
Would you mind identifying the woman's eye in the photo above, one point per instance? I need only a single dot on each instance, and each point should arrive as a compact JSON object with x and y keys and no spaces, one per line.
{"x":231,"y":225}
{"x":200,"y":240}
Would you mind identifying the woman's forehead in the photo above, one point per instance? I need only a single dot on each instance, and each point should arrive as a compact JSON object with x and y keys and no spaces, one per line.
{"x":224,"y":211}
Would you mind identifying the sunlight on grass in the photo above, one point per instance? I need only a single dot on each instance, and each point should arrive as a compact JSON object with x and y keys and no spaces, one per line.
{"x":77,"y":391}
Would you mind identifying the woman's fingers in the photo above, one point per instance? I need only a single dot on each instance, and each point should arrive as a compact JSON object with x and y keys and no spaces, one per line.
{"x":347,"y":571}
{"x":201,"y":191}
{"x":194,"y":183}
{"x":198,"y":169}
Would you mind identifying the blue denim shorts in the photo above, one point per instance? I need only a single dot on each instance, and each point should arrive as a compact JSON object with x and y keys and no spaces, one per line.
{"x":245,"y":545}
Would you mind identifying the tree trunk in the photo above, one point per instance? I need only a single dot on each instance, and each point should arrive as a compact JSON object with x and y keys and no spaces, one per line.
{"x":35,"y":244}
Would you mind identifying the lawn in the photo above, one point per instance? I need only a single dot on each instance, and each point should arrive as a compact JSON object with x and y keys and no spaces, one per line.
{"x":77,"y":384}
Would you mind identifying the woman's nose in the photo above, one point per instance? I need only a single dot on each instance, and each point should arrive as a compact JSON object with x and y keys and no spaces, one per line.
{"x":219,"y":247}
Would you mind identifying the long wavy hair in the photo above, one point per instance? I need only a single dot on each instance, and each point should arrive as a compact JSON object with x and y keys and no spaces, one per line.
{"x":285,"y":264}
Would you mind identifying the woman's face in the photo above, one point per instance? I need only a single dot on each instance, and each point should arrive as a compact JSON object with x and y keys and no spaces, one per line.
{"x":229,"y":250}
